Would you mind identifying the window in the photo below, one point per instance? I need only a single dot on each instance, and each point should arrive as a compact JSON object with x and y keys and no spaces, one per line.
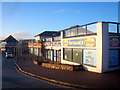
{"x":48,"y":39}
{"x":89,"y":57}
{"x":118,"y":28}
{"x":82,"y":30}
{"x":74,"y":55}
{"x":57,"y":38}
{"x":91,"y":29}
{"x":46,"y":53}
{"x":39,"y":52}
{"x":36,"y":51}
{"x":112,"y":28}
{"x":113,"y":57}
{"x":77,"y":55}
{"x":68,"y":54}
{"x":73,"y":32}
{"x":49,"y":54}
{"x":67,"y":33}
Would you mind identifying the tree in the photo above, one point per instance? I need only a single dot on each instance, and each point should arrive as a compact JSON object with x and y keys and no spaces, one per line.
{"x":42,"y":47}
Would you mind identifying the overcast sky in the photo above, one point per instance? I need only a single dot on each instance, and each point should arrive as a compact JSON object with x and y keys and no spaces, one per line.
{"x":26,"y":19}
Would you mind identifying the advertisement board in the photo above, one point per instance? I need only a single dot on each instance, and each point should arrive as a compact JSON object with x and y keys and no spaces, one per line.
{"x":89,"y":57}
{"x":34,"y":44}
{"x":56,"y":43}
{"x":113,"y":57}
{"x":85,"y":42}
{"x":114,"y":41}
{"x":47,"y":43}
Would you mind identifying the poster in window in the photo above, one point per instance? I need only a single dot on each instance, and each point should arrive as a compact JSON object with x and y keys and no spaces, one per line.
{"x":89,"y":57}
{"x":113,"y":58}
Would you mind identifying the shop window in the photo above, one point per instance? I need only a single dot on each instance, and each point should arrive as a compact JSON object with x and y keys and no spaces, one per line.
{"x":49,"y":54}
{"x":91,"y":29}
{"x":73,"y":32}
{"x":112,"y":28}
{"x":82,"y":30}
{"x":39,"y":52}
{"x":77,"y":55}
{"x":89,"y":57}
{"x":46,"y":53}
{"x":113,"y":57}
{"x":68,"y":54}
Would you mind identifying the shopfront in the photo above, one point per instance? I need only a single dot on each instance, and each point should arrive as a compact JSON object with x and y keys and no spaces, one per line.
{"x":96,"y":46}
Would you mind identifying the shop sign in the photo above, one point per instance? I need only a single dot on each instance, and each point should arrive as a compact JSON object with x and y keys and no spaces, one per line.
{"x":47,"y":43}
{"x":89,"y":57}
{"x":34,"y":44}
{"x":86,"y":42}
{"x":114,"y":41}
{"x":113,"y":57}
{"x":12,"y":44}
{"x":56,"y":44}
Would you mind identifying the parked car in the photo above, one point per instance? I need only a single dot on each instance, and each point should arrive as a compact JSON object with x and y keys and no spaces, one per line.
{"x":9,"y":54}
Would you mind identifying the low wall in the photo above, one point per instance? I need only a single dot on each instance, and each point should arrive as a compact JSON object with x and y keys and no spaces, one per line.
{"x":63,"y":66}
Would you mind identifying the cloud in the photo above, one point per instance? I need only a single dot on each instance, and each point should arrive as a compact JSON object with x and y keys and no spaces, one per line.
{"x":77,"y":11}
{"x":66,"y":11}
{"x":61,"y":11}
{"x":23,"y":35}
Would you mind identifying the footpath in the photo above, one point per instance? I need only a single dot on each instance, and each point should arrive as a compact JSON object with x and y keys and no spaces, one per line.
{"x":79,"y":79}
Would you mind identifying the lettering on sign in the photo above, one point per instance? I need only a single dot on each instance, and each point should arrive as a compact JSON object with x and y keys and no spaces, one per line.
{"x":86,"y":42}
{"x":56,"y":44}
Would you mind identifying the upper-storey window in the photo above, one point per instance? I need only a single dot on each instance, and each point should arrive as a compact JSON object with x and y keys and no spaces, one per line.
{"x":48,"y":39}
{"x":73,"y":32}
{"x":67,"y":33}
{"x":112,"y":28}
{"x":119,"y":28}
{"x":91,"y":29}
{"x":82,"y":30}
{"x":56,"y":38}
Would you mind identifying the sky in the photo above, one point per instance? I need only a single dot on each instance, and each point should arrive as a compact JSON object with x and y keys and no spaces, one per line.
{"x":24,"y":20}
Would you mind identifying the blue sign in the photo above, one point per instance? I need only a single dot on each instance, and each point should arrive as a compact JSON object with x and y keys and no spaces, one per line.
{"x":113,"y":58}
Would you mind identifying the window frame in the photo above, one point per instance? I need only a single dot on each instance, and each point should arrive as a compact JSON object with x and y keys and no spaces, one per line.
{"x":89,"y":64}
{"x":64,"y":31}
{"x":72,"y":55}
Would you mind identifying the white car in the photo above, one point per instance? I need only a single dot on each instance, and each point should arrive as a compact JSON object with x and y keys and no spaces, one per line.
{"x":8,"y":54}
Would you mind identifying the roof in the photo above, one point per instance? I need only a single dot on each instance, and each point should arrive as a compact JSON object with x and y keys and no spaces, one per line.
{"x":10,"y":39}
{"x":47,"y":33}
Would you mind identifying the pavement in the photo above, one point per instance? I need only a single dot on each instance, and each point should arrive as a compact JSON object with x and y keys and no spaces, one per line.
{"x":78,"y":79}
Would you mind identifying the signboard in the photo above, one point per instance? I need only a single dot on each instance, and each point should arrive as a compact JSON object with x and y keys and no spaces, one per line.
{"x":56,"y":44}
{"x":113,"y":57}
{"x":86,"y":42}
{"x":114,"y":41}
{"x":47,"y":43}
{"x":34,"y":44}
{"x":11,"y":44}
{"x":89,"y":57}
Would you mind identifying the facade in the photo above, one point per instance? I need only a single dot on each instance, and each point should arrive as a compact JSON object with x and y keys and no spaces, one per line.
{"x":23,"y":45}
{"x":96,"y":46}
{"x":9,"y":44}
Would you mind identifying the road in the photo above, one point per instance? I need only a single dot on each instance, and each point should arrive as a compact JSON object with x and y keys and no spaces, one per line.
{"x":11,"y":78}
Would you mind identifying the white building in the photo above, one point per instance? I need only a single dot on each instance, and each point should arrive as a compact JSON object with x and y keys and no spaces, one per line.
{"x":96,"y":46}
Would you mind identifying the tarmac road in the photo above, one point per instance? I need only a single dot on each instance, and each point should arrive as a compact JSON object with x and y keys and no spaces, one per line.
{"x":11,"y":78}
